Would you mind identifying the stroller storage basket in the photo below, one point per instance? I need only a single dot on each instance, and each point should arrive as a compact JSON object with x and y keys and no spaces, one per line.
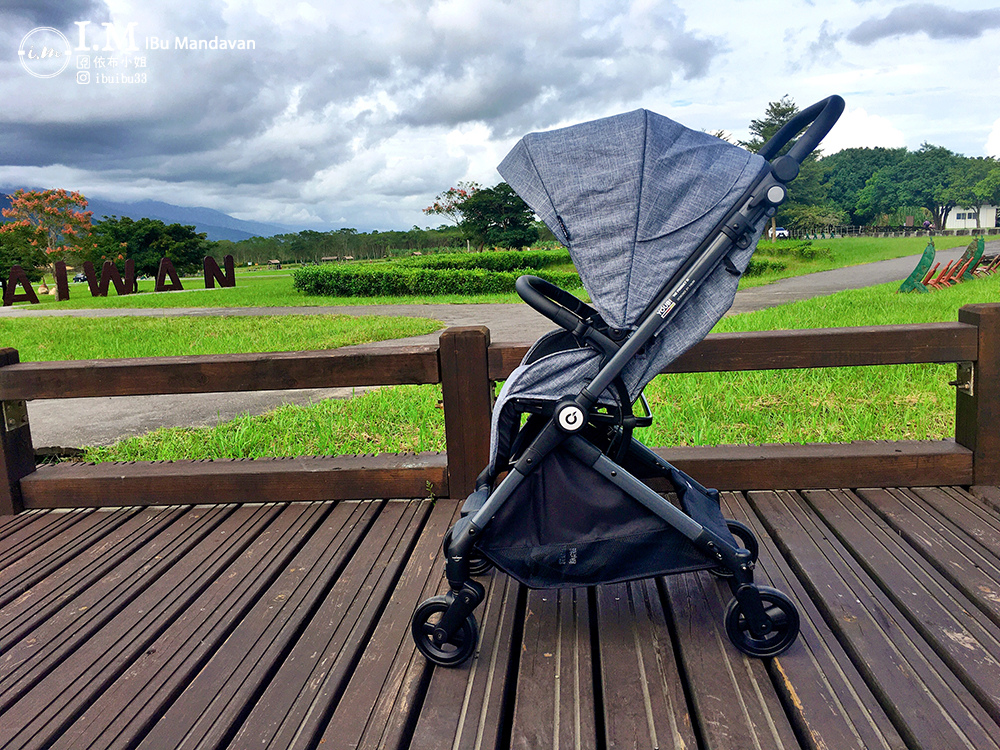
{"x":660,"y":222}
{"x":566,"y":525}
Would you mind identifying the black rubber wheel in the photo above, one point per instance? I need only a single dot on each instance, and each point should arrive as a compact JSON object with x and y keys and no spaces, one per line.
{"x":453,"y":652}
{"x":745,"y":536}
{"x":785,"y":625}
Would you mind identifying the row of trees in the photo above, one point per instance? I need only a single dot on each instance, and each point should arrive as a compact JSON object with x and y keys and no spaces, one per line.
{"x":878,"y":186}
{"x":479,"y":217}
{"x":46,"y":226}
{"x":310,"y":246}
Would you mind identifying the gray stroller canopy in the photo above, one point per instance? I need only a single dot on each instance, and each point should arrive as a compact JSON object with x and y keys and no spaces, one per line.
{"x":632,"y":196}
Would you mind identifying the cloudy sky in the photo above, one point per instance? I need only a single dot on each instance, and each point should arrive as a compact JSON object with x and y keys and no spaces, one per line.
{"x":358,"y":113}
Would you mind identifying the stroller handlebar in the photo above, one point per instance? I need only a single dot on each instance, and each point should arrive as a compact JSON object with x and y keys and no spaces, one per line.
{"x":820,"y":119}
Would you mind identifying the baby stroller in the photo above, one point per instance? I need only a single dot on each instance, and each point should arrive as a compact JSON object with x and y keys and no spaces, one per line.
{"x":660,"y":221}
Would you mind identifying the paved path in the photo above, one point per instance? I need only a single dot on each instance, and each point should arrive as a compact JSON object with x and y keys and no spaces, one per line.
{"x":102,"y":421}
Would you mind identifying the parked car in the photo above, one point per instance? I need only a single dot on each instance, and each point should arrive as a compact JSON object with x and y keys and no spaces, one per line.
{"x":780,"y":232}
{"x":80,"y":277}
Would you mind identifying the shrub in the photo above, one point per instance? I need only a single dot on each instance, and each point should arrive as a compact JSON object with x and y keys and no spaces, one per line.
{"x":760,"y":266}
{"x":492,"y":260}
{"x":802,"y":250}
{"x":445,"y":273}
{"x":393,"y":280}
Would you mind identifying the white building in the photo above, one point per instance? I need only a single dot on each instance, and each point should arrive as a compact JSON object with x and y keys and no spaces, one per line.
{"x":965,"y":218}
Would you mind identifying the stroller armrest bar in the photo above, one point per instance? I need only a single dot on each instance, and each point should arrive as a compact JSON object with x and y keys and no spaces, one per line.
{"x":562,"y":308}
{"x":552,"y":302}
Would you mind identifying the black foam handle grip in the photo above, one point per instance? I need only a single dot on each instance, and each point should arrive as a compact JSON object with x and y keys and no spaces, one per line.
{"x":820,"y":117}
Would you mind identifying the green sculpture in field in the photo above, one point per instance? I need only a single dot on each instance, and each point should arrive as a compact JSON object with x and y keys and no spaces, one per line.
{"x":913,"y":281}
{"x":975,"y":250}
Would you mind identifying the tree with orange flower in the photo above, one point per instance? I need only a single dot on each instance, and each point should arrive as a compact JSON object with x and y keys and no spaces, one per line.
{"x":58,"y":219}
{"x":449,"y":203}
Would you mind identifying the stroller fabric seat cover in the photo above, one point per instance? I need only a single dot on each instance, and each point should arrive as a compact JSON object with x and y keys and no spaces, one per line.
{"x":633,"y":197}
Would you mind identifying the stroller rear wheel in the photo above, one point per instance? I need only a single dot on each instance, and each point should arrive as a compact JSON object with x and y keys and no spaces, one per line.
{"x":451,"y":652}
{"x":745,"y":536}
{"x":784,"y":625}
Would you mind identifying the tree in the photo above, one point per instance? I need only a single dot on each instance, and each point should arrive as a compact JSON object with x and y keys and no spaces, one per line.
{"x":967,"y":174}
{"x":922,"y":178}
{"x":846,"y":172}
{"x":988,"y":189}
{"x":146,"y":241}
{"x":449,"y":203}
{"x":803,"y":216}
{"x":807,"y":198}
{"x":498,"y":217}
{"x":493,"y":216}
{"x":58,"y":220}
{"x":775,"y":116}
{"x":16,"y":249}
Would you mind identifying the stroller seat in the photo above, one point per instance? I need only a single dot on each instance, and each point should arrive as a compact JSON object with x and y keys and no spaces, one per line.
{"x":660,"y":222}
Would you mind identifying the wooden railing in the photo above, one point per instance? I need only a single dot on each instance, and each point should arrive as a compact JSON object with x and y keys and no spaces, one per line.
{"x":466,"y":366}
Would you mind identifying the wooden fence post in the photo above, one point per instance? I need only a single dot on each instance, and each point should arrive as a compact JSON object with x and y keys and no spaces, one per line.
{"x":17,"y":457}
{"x":977,"y":405}
{"x":468,"y":401}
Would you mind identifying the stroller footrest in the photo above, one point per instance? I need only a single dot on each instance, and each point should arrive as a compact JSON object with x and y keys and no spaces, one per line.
{"x":475,"y":501}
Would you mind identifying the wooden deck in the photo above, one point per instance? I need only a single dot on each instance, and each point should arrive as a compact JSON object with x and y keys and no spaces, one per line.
{"x":286,"y":626}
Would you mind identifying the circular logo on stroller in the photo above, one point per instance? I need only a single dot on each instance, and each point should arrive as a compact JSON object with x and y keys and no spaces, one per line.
{"x":571,"y":418}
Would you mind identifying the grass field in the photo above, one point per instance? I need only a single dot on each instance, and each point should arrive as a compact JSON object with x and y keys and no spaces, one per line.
{"x":829,"y":405}
{"x":58,"y":338}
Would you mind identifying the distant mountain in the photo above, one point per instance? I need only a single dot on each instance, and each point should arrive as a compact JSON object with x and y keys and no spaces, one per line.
{"x":217,"y":225}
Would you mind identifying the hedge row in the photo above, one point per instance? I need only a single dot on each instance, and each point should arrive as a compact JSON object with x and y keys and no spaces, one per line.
{"x":803,"y":250}
{"x":760,"y":266}
{"x":529,"y":260}
{"x":384,"y":280}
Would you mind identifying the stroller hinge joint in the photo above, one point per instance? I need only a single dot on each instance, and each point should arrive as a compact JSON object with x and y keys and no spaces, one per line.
{"x":570,"y":417}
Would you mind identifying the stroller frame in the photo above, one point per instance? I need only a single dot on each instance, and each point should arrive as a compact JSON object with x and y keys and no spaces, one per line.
{"x":760,"y":621}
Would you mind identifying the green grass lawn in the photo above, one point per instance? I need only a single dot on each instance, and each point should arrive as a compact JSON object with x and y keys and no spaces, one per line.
{"x":905,"y":402}
{"x":382,"y":420}
{"x":58,"y":338}
{"x":827,"y":405}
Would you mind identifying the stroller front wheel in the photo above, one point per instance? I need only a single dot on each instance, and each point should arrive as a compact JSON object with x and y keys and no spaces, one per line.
{"x":457,"y":648}
{"x":784,"y":619}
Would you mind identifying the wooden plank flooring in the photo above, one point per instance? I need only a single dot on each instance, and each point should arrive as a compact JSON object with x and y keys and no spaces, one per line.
{"x":287,"y":626}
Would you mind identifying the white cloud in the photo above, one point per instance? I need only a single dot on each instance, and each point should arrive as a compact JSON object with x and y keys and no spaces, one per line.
{"x":858,"y":129}
{"x":993,"y":141}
